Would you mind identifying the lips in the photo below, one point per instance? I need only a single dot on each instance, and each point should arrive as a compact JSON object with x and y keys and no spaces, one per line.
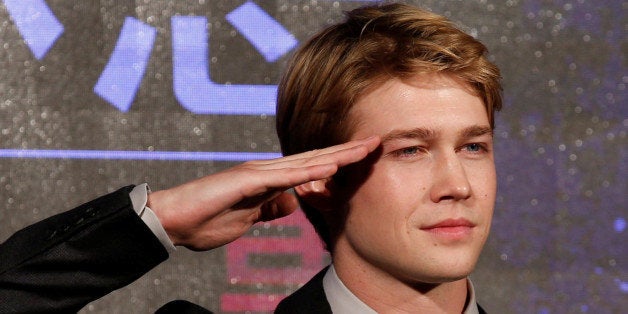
{"x":455,"y":228}
{"x":451,"y":223}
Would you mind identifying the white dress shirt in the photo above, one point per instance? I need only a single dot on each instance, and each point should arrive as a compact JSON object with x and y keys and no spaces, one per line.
{"x":343,"y":301}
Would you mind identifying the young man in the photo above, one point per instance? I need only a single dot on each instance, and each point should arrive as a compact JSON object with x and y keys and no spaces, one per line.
{"x":404,"y":227}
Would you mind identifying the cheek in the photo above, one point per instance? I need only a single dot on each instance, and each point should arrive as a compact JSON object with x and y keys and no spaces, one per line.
{"x":484,"y":184}
{"x":383,"y":197}
{"x":396,"y":198}
{"x":483,"y":180}
{"x":390,"y":187}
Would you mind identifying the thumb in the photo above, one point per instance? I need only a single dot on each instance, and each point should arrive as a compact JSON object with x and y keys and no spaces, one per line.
{"x":282,"y":205}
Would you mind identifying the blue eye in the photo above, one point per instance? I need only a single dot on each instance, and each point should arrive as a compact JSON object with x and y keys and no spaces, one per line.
{"x":474,"y":147}
{"x":409,"y":151}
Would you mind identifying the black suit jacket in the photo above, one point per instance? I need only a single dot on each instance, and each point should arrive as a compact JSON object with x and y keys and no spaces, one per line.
{"x":62,"y":263}
{"x":311,"y":299}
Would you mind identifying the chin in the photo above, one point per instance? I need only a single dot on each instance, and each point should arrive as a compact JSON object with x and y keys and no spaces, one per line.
{"x":443,"y":273}
{"x":450,"y":277}
{"x":448,"y":272}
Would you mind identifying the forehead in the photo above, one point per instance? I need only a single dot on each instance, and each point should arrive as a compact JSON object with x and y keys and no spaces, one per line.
{"x":430,"y":101}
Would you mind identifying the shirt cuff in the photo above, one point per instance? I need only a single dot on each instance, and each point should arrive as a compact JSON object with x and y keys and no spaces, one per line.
{"x":139,"y":197}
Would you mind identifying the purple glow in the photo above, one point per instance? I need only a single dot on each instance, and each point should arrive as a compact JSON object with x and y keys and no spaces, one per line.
{"x":620,"y":225}
{"x":623,"y":286}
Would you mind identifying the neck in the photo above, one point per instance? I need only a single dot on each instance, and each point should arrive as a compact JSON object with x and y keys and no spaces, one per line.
{"x":386,"y":293}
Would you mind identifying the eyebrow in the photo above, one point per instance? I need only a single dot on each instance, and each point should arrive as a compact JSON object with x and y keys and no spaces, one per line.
{"x":475,"y":131}
{"x":418,"y":133}
{"x":429,"y":134}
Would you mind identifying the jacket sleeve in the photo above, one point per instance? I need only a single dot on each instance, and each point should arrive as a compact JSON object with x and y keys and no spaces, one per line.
{"x":66,"y":261}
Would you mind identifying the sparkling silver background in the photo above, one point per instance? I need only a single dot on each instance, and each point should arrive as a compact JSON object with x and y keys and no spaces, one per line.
{"x":558,"y":243}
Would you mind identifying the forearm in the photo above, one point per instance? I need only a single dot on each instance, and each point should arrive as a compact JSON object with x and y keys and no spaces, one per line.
{"x":64,"y":262}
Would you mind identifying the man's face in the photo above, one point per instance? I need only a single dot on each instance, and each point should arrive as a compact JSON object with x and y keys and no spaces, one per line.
{"x":423,"y":212}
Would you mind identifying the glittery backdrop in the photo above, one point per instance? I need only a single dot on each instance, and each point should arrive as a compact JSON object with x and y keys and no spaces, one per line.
{"x":95,"y":95}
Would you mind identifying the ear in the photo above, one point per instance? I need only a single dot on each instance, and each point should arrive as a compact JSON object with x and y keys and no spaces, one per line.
{"x":317,"y":194}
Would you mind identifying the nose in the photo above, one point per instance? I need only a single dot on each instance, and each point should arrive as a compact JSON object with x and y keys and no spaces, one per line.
{"x":450,"y":180}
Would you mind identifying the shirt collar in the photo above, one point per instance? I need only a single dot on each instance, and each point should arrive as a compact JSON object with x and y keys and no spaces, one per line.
{"x":341,"y":300}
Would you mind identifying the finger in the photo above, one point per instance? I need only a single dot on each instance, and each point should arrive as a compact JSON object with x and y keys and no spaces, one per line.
{"x":339,"y":157}
{"x":281,"y":206}
{"x":261,"y":182}
{"x":369,"y":143}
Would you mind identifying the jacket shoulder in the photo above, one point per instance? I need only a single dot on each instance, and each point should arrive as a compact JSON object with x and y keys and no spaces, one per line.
{"x":309,"y":299}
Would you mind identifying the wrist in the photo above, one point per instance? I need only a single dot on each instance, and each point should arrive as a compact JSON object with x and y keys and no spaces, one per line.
{"x":157,"y":202}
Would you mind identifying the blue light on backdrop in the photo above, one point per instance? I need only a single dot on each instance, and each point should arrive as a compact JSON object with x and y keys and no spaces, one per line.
{"x":193,"y":86}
